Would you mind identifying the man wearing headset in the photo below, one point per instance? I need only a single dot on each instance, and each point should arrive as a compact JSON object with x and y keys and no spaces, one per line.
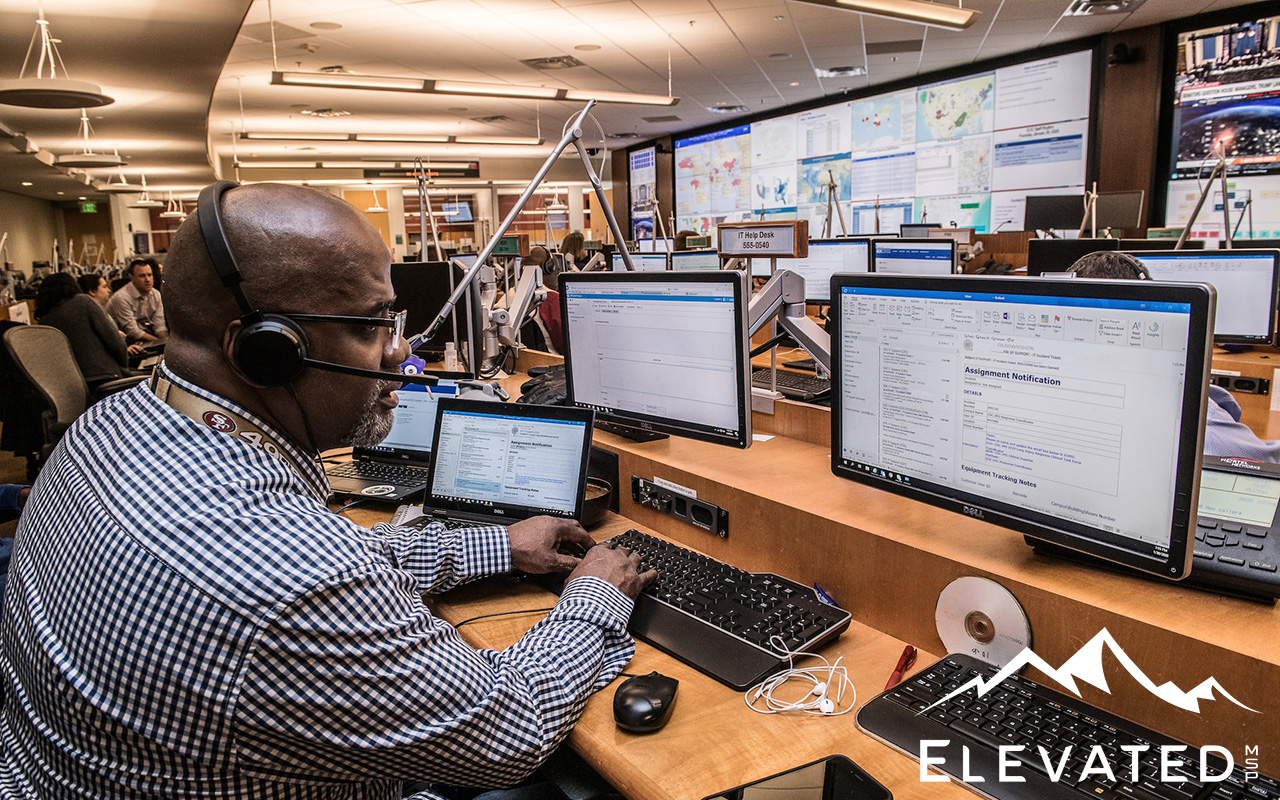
{"x":184,"y":615}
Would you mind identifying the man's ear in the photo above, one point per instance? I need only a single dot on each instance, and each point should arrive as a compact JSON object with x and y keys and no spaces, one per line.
{"x":228,"y":347}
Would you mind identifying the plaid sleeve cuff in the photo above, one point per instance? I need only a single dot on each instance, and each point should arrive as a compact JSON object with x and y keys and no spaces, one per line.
{"x":441,"y":558}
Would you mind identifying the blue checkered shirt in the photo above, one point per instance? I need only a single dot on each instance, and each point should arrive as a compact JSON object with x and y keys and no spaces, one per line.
{"x":185,"y":618}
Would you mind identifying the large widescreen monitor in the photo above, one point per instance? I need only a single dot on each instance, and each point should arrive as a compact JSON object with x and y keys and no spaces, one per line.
{"x":826,"y":258}
{"x":1221,"y":83}
{"x":914,"y":256}
{"x":1072,"y":411}
{"x":643,"y":262}
{"x":1246,"y":284}
{"x":666,"y":352}
{"x":963,"y":152}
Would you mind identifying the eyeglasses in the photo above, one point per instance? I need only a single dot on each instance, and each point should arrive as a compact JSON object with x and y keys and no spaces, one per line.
{"x":395,"y":322}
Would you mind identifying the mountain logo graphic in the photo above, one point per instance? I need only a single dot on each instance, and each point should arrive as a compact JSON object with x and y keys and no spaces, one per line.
{"x":1086,"y":665}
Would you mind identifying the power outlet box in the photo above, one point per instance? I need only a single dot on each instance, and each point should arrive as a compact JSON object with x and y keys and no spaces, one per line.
{"x":699,"y":513}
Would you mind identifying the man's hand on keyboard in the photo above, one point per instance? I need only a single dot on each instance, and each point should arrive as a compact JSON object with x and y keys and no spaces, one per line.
{"x":619,"y":566}
{"x":539,"y":544}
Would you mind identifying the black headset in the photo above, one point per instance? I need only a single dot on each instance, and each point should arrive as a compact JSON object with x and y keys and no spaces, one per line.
{"x":269,"y":349}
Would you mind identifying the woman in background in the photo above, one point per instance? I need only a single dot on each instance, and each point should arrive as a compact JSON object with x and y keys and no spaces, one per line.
{"x":572,"y":247}
{"x":96,"y":343}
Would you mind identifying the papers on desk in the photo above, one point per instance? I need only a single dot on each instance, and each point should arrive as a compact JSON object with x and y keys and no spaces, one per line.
{"x":405,"y":514}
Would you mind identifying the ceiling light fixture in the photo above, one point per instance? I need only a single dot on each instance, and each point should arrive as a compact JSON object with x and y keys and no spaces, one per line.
{"x":376,"y":208}
{"x":349,"y":164}
{"x":144,"y":199}
{"x":121,"y":185}
{"x":392,"y":138}
{"x":86,"y":158}
{"x":50,"y":92}
{"x":922,"y":13}
{"x":429,"y":86}
{"x":173,"y":210}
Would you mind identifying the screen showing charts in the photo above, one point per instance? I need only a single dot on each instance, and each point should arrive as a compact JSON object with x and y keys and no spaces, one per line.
{"x":961,"y":153}
{"x":708,"y":259}
{"x":663,"y":351}
{"x":914,"y":256}
{"x":826,"y":258}
{"x":538,"y":463}
{"x":1226,"y":97}
{"x":1070,"y":410}
{"x":643,"y":262}
{"x":1245,"y":280}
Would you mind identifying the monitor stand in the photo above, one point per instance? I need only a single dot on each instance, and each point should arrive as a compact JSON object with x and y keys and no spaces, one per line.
{"x":1204,"y":583}
{"x":630,"y":432}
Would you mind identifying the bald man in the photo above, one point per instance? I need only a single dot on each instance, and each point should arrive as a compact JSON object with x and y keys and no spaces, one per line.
{"x":186,"y":618}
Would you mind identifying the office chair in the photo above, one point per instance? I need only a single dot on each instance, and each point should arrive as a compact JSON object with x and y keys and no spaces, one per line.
{"x":43,"y":357}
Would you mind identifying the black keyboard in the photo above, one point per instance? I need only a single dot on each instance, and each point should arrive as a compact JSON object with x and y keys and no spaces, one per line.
{"x":724,"y":621}
{"x":377,"y":471}
{"x":795,"y":385}
{"x":1022,"y":712}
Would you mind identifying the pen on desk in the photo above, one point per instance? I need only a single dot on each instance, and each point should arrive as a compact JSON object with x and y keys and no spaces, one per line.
{"x":904,"y":663}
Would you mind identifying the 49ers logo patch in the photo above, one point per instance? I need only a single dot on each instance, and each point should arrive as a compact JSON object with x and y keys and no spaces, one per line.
{"x":219,"y":421}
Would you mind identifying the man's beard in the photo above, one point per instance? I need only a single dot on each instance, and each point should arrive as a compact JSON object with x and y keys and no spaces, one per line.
{"x":374,"y":423}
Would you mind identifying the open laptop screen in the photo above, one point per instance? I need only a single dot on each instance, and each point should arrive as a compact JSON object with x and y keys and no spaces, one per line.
{"x":507,"y":459}
{"x":415,"y":422}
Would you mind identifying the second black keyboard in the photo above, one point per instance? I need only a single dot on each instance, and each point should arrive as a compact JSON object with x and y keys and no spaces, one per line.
{"x":968,"y":731}
{"x":376,"y":471}
{"x":733,"y":625}
{"x":795,"y":385}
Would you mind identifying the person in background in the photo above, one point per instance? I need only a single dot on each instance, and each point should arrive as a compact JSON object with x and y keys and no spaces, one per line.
{"x":1224,"y":433}
{"x":137,"y":307}
{"x":572,"y":247}
{"x":534,"y":333}
{"x":98,"y":347}
{"x":96,"y":287}
{"x":13,"y":497}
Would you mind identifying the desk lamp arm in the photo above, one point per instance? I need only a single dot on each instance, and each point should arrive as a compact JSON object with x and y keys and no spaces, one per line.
{"x":783,"y":297}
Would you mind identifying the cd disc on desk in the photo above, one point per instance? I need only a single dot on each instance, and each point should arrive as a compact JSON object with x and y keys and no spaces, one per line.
{"x":982,"y":618}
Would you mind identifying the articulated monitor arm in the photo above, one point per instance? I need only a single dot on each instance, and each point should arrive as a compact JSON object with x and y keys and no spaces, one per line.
{"x":783,"y":297}
{"x":524,"y":298}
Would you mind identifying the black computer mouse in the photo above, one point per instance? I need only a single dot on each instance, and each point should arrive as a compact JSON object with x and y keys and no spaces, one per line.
{"x":643,"y":704}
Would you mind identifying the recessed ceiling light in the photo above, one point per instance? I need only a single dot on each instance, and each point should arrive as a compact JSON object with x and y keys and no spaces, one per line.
{"x":778,"y":18}
{"x":325,"y":112}
{"x":326,"y":26}
{"x":795,"y":83}
{"x":586,"y":47}
{"x":1088,"y":8}
{"x":82,"y":197}
{"x":839,"y":72}
{"x":27,"y":183}
{"x":727,"y":109}
{"x":61,"y":192}
{"x":779,"y":56}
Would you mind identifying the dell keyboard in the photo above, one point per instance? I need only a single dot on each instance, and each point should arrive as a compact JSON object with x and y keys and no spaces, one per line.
{"x":376,"y":471}
{"x":733,"y":625}
{"x":795,"y":385}
{"x":1022,"y":712}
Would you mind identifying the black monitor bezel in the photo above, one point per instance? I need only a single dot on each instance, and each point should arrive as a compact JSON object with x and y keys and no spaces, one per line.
{"x":1035,"y":269}
{"x":1039,"y":526}
{"x":740,"y":283}
{"x":1269,"y":338}
{"x":919,"y":240}
{"x":529,"y":410}
{"x":839,"y":240}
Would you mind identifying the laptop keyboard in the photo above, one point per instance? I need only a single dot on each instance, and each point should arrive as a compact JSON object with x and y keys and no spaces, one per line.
{"x":376,"y":471}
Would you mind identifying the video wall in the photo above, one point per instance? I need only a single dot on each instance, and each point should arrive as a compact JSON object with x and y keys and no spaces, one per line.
{"x":1226,"y":88}
{"x":963,"y":152}
{"x":643,"y":179}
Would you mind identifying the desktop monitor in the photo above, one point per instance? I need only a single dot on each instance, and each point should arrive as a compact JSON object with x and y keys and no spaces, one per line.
{"x":1245,"y":281}
{"x":1057,"y":255}
{"x":456,"y":212}
{"x":703,"y":259}
{"x":654,"y":245}
{"x":1250,"y":243}
{"x":643,"y":262}
{"x":1071,"y":411}
{"x":422,"y":288}
{"x":662,"y":351}
{"x":1160,"y":244}
{"x":826,"y":258}
{"x":1047,"y":212}
{"x":916,"y":230}
{"x":1120,"y":209}
{"x":914,"y":256}
{"x":467,"y":260}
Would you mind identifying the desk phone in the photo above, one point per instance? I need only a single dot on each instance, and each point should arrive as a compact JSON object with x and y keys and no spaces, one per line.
{"x":1237,"y":528}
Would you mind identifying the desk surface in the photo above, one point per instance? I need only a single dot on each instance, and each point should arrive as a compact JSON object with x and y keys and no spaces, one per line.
{"x":713,"y":741}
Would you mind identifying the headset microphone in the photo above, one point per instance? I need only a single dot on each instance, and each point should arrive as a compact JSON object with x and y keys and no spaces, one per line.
{"x":269,"y":349}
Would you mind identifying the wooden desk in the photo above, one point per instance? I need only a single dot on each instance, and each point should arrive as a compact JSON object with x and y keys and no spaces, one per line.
{"x":712,"y":741}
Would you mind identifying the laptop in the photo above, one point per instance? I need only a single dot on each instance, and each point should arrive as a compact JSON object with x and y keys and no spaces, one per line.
{"x":499,"y":463}
{"x":401,"y":465}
